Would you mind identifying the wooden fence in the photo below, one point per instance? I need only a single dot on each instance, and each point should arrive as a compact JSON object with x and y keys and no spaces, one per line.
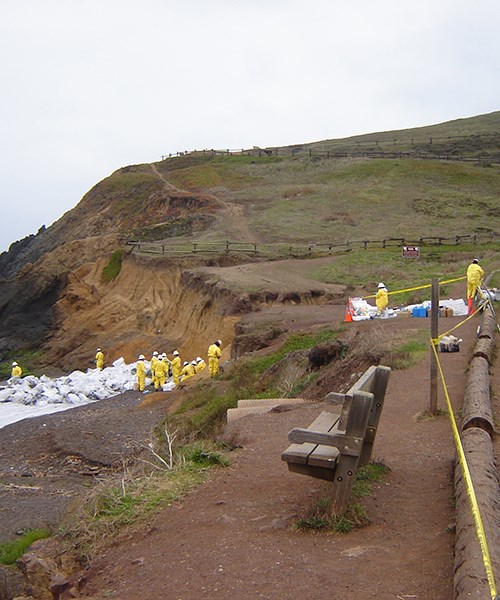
{"x":373,"y":148}
{"x":316,"y":248}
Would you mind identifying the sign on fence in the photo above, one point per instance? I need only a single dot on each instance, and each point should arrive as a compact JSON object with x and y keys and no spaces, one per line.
{"x":411,"y":251}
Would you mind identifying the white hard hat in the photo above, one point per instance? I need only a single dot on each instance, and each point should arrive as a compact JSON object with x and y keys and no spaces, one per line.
{"x":14,"y":364}
{"x":476,"y":260}
{"x":185,"y":363}
{"x":98,"y":350}
{"x":193,"y":362}
{"x":380,"y":285}
{"x":142,"y":357}
{"x":198,"y":359}
{"x":164,"y":354}
{"x":160,"y":357}
{"x":175,"y":353}
{"x":155,"y":353}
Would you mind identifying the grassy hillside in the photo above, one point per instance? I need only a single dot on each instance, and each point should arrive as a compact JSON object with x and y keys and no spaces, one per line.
{"x":473,"y":137}
{"x":304,"y":199}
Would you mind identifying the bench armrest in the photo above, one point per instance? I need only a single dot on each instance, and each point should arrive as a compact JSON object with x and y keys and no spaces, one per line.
{"x":346,"y":444}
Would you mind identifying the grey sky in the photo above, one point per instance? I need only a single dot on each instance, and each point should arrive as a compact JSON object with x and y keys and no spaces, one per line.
{"x":89,"y":86}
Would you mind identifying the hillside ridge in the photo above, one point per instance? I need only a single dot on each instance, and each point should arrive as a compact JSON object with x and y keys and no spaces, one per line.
{"x":245,"y":198}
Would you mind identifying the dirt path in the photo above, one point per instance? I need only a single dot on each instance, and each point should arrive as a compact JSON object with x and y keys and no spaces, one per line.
{"x":234,"y":536}
{"x":170,"y":187}
{"x":232,"y":220}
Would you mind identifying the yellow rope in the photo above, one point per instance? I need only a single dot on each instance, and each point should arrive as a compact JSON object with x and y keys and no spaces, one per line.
{"x":481,"y":536}
{"x":479,"y":309}
{"x":418,"y":287}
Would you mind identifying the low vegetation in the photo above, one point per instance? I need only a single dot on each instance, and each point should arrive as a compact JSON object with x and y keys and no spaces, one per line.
{"x":164,"y":473}
{"x":113,"y":268}
{"x":320,"y":515}
{"x":11,"y":551}
{"x":29,"y":359}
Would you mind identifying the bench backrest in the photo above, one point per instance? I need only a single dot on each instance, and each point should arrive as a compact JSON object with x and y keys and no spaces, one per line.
{"x":374,"y":380}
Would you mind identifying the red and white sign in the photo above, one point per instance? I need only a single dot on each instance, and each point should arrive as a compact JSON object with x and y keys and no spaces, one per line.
{"x":411,"y":252}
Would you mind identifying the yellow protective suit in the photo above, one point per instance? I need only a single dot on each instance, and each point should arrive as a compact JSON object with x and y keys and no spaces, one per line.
{"x":187,"y":372}
{"x":474,"y":276}
{"x":152,"y":365}
{"x":200,"y":366}
{"x":214,"y":353}
{"x":161,"y":372}
{"x":141,"y":375}
{"x":381,"y":300}
{"x":17,"y":371}
{"x":176,"y":368}
{"x":99,"y":360}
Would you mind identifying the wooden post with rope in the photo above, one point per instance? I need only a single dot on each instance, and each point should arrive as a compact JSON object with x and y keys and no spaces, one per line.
{"x":434,"y":334}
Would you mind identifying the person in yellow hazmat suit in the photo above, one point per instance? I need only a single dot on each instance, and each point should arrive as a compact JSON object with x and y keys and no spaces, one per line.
{"x":176,"y":366}
{"x":99,"y":359}
{"x":200,"y":364}
{"x":167,"y":362}
{"x":475,"y":275}
{"x":152,"y":365}
{"x":382,"y":300}
{"x":161,"y":372}
{"x":188,"y":370}
{"x":141,"y":373}
{"x":214,"y":354}
{"x":16,"y":370}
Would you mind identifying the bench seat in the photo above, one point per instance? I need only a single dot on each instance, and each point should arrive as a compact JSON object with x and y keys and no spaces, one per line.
{"x":315,"y":460}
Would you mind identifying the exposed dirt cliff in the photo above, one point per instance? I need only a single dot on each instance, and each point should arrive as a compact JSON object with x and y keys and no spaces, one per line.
{"x":132,"y":201}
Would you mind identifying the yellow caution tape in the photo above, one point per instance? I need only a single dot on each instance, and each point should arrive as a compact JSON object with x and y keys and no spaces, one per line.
{"x":418,"y":287}
{"x":481,"y":536}
{"x":479,"y":309}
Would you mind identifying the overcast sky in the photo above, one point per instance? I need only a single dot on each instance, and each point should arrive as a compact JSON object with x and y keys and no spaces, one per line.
{"x":89,"y":86}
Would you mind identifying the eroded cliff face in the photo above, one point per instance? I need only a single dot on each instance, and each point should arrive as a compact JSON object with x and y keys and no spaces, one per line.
{"x":165,"y":304}
{"x":27,"y":300}
{"x":149,"y":306}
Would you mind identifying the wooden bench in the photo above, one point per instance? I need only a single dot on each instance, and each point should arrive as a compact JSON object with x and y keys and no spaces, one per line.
{"x":339,"y":441}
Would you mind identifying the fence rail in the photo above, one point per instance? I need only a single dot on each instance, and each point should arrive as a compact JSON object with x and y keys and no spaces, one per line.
{"x":328,"y":248}
{"x":373,"y":148}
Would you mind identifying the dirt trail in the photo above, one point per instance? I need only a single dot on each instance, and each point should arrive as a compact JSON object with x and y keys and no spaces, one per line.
{"x":233,"y":223}
{"x":170,"y":187}
{"x":234,"y":536}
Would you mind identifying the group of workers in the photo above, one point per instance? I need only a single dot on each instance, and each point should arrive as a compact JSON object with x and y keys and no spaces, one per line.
{"x":475,"y":275}
{"x":161,"y":367}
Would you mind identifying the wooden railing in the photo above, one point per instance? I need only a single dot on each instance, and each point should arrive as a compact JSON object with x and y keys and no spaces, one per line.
{"x":312,"y":248}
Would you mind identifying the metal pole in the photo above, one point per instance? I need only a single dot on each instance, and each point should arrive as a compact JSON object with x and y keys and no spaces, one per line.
{"x":434,"y":334}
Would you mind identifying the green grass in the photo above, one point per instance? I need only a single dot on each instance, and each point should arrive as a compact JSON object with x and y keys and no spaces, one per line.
{"x":11,"y":551}
{"x":132,"y":496}
{"x":29,"y":360}
{"x":408,"y":353}
{"x":113,"y":268}
{"x":365,"y":268}
{"x":297,"y":341}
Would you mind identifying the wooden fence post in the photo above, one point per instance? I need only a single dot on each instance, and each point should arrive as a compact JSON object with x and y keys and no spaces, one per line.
{"x":434,"y":335}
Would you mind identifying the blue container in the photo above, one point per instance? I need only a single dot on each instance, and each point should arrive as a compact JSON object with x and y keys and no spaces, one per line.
{"x":418,"y":311}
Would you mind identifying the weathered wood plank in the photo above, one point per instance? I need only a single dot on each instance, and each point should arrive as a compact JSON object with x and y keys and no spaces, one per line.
{"x":470,"y":578}
{"x":477,"y":410}
{"x":347,"y":464}
{"x":300,"y":453}
{"x":488,"y":324}
{"x":378,"y":387}
{"x":484,"y":348}
{"x":345,"y":443}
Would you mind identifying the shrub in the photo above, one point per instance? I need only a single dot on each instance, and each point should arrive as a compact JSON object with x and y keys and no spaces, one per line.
{"x":113,"y":268}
